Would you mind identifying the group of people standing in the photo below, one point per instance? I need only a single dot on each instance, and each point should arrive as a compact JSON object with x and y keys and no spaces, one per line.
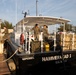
{"x":37,"y":32}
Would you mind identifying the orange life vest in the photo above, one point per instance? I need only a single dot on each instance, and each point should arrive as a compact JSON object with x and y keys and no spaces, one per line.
{"x":22,"y":39}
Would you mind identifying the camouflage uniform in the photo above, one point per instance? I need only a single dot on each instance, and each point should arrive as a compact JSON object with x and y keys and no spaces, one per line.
{"x":6,"y":36}
{"x":45,"y":34}
{"x":36,"y":33}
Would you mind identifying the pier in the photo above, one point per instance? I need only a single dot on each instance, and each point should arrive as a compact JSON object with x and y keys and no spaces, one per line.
{"x":4,"y":69}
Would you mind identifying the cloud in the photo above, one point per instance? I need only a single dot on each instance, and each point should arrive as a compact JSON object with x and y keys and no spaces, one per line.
{"x":12,"y":9}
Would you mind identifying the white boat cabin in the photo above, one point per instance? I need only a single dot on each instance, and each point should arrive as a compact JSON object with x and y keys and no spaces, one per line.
{"x":26,"y":24}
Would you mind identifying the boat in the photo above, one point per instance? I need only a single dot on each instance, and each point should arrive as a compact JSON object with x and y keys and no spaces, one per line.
{"x":59,"y":52}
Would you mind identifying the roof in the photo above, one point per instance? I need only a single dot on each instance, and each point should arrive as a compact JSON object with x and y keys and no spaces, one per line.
{"x":41,"y":20}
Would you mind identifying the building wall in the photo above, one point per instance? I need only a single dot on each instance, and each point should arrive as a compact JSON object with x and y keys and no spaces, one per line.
{"x":9,"y":30}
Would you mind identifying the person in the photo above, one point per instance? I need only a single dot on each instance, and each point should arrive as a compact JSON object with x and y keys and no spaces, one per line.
{"x":5,"y":37}
{"x":36,"y":32}
{"x":45,"y":33}
{"x":5,"y":32}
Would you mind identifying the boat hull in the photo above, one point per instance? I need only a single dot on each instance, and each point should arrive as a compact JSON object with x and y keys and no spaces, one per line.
{"x":40,"y":62}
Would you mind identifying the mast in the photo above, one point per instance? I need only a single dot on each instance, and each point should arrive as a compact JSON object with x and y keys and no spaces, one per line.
{"x":36,"y":8}
{"x":0,"y":24}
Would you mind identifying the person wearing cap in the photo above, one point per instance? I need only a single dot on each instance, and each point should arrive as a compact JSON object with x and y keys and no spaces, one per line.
{"x":5,"y":32}
{"x":45,"y":32}
{"x":36,"y":32}
{"x":5,"y":37}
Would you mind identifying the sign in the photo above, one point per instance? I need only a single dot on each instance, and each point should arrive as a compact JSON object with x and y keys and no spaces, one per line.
{"x":28,"y":58}
{"x":57,"y":57}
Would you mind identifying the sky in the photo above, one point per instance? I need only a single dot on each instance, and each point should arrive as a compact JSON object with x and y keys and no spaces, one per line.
{"x":11,"y":10}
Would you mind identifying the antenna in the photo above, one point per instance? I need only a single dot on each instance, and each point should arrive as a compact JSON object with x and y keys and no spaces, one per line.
{"x":36,"y":8}
{"x":28,"y":12}
{"x":0,"y":24}
{"x":25,"y":13}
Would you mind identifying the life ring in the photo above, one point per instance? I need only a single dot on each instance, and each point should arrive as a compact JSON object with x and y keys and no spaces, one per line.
{"x":22,"y":39}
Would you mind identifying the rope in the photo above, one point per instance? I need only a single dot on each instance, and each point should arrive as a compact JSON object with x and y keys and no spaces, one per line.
{"x":11,"y":55}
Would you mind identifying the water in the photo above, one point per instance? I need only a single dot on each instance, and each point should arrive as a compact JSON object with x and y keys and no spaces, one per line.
{"x":50,"y":68}
{"x":47,"y":69}
{"x":54,"y":70}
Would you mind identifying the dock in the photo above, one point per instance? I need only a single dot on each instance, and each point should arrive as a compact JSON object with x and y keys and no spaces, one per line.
{"x":4,"y":70}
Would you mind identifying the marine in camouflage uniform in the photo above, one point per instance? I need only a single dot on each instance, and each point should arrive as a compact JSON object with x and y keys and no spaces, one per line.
{"x":6,"y":34}
{"x":36,"y":32}
{"x":5,"y":37}
{"x":45,"y":33}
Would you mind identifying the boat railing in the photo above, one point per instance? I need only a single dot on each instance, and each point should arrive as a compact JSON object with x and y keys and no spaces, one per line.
{"x":65,"y":41}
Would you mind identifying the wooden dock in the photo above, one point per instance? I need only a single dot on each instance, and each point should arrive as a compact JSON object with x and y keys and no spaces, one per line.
{"x":4,"y":70}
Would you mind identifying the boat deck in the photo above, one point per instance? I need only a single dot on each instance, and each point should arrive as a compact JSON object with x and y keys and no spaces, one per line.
{"x":3,"y":66}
